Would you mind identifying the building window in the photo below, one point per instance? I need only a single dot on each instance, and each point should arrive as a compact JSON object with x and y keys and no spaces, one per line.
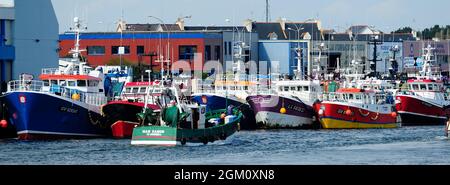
{"x":96,"y":50}
{"x":187,"y":52}
{"x":140,"y":50}
{"x":217,"y":53}
{"x":207,"y":53}
{"x":229,"y":48}
{"x":115,"y":50}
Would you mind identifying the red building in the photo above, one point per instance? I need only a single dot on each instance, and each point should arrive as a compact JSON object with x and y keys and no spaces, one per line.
{"x":146,"y":47}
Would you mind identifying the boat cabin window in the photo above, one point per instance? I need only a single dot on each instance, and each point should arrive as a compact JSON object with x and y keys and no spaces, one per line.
{"x":62,"y":83}
{"x":415,"y":87}
{"x":293,"y":89}
{"x":286,"y":89}
{"x":423,"y":87}
{"x":92,"y":83}
{"x":135,"y":90}
{"x":430,"y":87}
{"x":350,"y":96}
{"x":71,"y":83}
{"x":128,"y":90}
{"x":306,"y":88}
{"x":143,"y":90}
{"x":81,"y":83}
{"x":358,"y":97}
{"x":299,"y":88}
{"x":245,"y":88}
{"x":46,"y":83}
{"x":54,"y":82}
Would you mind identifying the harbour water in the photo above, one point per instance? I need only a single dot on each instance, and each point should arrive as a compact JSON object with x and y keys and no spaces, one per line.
{"x":403,"y":146}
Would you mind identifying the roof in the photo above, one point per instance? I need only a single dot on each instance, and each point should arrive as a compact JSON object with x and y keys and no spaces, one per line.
{"x":353,"y":90}
{"x":389,"y":37}
{"x":264,"y":30}
{"x":139,"y":84}
{"x":67,"y":77}
{"x":152,"y":27}
{"x":213,"y":28}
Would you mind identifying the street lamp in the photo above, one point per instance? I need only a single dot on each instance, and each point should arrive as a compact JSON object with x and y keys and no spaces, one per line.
{"x":168,"y":45}
{"x":299,"y":52}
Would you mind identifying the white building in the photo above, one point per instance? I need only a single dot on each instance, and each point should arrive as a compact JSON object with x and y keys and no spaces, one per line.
{"x":28,"y":38}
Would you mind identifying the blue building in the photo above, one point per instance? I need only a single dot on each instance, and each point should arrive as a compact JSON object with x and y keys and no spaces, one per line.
{"x":282,"y":55}
{"x":28,"y":38}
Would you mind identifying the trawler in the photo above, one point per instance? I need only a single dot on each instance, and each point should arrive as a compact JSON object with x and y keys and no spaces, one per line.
{"x":425,"y":102}
{"x":65,"y":103}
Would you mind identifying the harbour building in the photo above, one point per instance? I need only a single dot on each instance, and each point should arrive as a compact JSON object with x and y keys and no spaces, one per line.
{"x":28,"y":38}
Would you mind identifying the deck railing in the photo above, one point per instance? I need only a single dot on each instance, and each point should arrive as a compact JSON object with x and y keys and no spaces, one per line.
{"x":96,"y":99}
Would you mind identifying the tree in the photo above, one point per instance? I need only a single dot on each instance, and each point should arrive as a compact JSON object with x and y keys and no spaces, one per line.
{"x":404,"y":30}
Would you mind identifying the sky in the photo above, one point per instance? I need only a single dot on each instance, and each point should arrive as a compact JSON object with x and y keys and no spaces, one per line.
{"x":385,"y":15}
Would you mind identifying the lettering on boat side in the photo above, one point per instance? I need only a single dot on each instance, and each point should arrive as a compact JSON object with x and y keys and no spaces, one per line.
{"x":69,"y":110}
{"x":296,"y":108}
{"x":225,"y":175}
{"x":153,"y":132}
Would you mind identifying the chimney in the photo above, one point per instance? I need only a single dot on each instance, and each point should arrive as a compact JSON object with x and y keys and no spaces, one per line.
{"x":180,"y":23}
{"x":249,"y":25}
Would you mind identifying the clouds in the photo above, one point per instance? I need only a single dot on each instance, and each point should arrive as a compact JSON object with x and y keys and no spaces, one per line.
{"x":384,"y":14}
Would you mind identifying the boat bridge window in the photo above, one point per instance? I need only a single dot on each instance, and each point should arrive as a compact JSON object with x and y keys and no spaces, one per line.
{"x":358,"y":97}
{"x":71,"y":83}
{"x":286,"y":89}
{"x":430,"y":87}
{"x":62,"y":83}
{"x":423,"y":87}
{"x":46,"y":83}
{"x":142,"y":90}
{"x":128,"y":90}
{"x":415,"y":87}
{"x":81,"y":83}
{"x":92,"y":83}
{"x":306,"y":88}
{"x":299,"y":88}
{"x":293,"y":89}
{"x":54,"y":82}
{"x":135,"y":90}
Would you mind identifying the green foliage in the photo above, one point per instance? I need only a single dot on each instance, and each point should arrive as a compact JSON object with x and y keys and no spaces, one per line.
{"x":429,"y":33}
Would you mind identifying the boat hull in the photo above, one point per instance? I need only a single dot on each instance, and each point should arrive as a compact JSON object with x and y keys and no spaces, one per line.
{"x":39,"y":116}
{"x":171,"y":136}
{"x":417,"y":112}
{"x":333,"y":116}
{"x":268,"y":112}
{"x":215,"y":102}
{"x":124,"y":111}
{"x":123,"y":129}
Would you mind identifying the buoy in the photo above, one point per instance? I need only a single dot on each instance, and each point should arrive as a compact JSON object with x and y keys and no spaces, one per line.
{"x":348,"y":112}
{"x":223,"y":116}
{"x":76,"y":97}
{"x":283,"y":110}
{"x":394,"y":114}
{"x":3,"y":123}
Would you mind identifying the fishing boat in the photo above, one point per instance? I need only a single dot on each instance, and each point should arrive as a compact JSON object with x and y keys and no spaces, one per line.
{"x":231,"y":89}
{"x":272,"y":111}
{"x":289,"y":104}
{"x":181,"y":122}
{"x":351,"y":108}
{"x":121,"y":113}
{"x":425,"y":102}
{"x":63,"y":104}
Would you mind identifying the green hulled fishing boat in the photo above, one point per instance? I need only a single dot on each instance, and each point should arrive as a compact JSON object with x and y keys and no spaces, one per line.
{"x":181,"y":122}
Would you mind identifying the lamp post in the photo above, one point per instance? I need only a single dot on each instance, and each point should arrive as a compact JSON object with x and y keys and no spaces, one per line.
{"x":168,"y":45}
{"x":299,"y":52}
